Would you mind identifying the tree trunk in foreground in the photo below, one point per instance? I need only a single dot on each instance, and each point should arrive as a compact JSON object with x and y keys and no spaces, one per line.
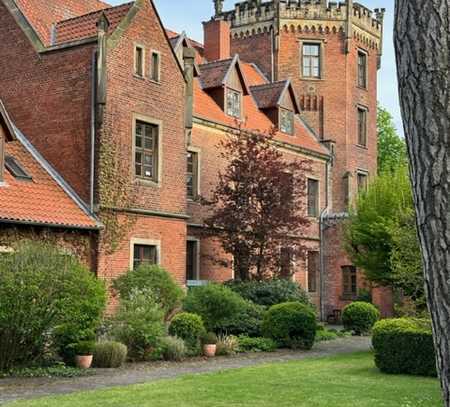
{"x":422,"y":41}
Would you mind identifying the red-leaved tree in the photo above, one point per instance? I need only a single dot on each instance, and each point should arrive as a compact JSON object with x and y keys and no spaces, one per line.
{"x":258,"y":205}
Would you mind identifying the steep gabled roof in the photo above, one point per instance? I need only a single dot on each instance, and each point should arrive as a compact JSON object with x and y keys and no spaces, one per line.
{"x":43,"y":199}
{"x":6,"y":124}
{"x":42,"y":14}
{"x":215,"y":74}
{"x":85,"y":26}
{"x":270,"y":95}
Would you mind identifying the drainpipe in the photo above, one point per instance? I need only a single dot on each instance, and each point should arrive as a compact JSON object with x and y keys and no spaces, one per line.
{"x":322,"y":227}
{"x":189,"y":62}
{"x":93,"y":98}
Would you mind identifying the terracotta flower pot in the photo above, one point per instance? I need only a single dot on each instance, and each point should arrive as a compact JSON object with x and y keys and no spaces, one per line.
{"x":83,"y":362}
{"x":209,"y":350}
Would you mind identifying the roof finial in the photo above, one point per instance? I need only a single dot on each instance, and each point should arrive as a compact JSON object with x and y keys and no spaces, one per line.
{"x":218,"y":5}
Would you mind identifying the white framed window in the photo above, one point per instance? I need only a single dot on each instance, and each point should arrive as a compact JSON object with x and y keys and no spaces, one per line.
{"x":362,"y":126}
{"x":311,"y":60}
{"x":233,"y":103}
{"x":139,"y":61}
{"x":313,"y":197}
{"x":362,"y":69}
{"x":155,"y":66}
{"x":192,"y":259}
{"x":287,"y":121}
{"x":193,"y":174}
{"x":144,"y":251}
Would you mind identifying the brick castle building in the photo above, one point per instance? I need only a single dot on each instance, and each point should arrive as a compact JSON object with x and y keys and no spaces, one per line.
{"x":130,"y":115}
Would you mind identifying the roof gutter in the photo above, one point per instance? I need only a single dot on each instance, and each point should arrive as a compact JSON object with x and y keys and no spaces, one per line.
{"x":50,"y":225}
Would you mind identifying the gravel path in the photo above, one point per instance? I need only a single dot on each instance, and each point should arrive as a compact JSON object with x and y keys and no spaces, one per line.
{"x":14,"y":389}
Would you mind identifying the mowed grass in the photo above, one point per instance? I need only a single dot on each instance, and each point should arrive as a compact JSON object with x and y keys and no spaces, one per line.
{"x":340,"y":381}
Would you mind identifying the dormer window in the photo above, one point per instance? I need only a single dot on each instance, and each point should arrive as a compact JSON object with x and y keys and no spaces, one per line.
{"x":287,"y":121}
{"x":233,"y":103}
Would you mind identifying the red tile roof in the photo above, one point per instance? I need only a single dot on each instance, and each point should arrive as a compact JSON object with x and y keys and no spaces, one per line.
{"x":213,"y":74}
{"x":41,"y":200}
{"x":85,"y":26}
{"x":42,"y":14}
{"x":253,"y":75}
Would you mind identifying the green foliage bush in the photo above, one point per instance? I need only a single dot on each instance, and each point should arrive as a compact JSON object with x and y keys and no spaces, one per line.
{"x":215,"y":303}
{"x":326,"y":335}
{"x":210,"y":338}
{"x":174,"y":349}
{"x":360,"y":317}
{"x":190,"y":328}
{"x":139,"y":324}
{"x":84,"y":348}
{"x":152,"y":277}
{"x":110,"y":354}
{"x":290,"y":324}
{"x":246,"y":321}
{"x":269,"y":292}
{"x":404,"y":346}
{"x":46,"y":298}
{"x":247,"y":344}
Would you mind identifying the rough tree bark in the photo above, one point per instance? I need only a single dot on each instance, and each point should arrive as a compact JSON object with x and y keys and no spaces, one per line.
{"x":422,"y":41}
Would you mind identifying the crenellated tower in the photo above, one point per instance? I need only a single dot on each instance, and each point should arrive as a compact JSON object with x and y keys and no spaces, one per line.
{"x":331,"y":52}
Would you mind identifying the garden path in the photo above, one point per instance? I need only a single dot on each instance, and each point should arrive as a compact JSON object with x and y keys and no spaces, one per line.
{"x":14,"y":389}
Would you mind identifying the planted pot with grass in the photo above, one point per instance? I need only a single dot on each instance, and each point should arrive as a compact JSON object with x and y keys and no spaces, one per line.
{"x":209,"y":344}
{"x":84,"y":353}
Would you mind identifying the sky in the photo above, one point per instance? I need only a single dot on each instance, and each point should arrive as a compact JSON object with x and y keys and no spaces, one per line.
{"x":187,"y":15}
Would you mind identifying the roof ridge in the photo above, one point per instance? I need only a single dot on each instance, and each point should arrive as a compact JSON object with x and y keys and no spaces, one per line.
{"x":218,"y":62}
{"x":94,"y":12}
{"x":271,"y":84}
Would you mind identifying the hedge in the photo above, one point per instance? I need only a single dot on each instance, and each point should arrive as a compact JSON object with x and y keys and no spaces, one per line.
{"x":404,"y":346}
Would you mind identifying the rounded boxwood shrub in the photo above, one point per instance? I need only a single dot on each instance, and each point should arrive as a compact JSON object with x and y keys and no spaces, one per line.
{"x":269,"y":292}
{"x":404,"y":346}
{"x":215,"y":303}
{"x":47,"y":297}
{"x":360,"y":317}
{"x":247,"y":321}
{"x":173,"y":348}
{"x":110,"y":354}
{"x":190,"y":328}
{"x":154,"y":278}
{"x":290,"y":324}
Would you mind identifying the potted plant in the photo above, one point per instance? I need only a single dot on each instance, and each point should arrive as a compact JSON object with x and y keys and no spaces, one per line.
{"x":84,"y":352}
{"x":209,"y":344}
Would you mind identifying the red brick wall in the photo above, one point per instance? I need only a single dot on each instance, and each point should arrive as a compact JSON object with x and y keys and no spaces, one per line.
{"x":48,"y":97}
{"x":216,"y":40}
{"x":128,"y":95}
{"x":207,"y":139}
{"x":257,"y":49}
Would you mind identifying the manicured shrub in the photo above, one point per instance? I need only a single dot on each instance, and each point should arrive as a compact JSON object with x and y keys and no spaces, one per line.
{"x":190,"y":328}
{"x":270,"y":292}
{"x":46,"y":298}
{"x":152,"y":277}
{"x":139,"y":325}
{"x":290,"y":324}
{"x":210,"y":338}
{"x":360,"y":317}
{"x":215,"y":303}
{"x":110,"y":354}
{"x":174,"y":349}
{"x":324,"y":335}
{"x":84,"y":348}
{"x":404,"y":346}
{"x":246,"y":321}
{"x":227,"y":345}
{"x":247,"y":344}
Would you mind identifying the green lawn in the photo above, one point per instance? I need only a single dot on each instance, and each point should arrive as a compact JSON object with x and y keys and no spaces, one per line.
{"x":341,"y":381}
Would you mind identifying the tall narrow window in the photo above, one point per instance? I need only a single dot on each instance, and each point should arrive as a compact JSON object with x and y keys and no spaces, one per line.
{"x":192,"y":175}
{"x":287,"y":121}
{"x":313,"y":271}
{"x":286,"y":260}
{"x":311,"y":60}
{"x":146,"y":150}
{"x":349,"y":282}
{"x":233,"y":103}
{"x":192,"y":256}
{"x":313,"y":198}
{"x":139,"y":61}
{"x":362,"y":69}
{"x":362,"y":127}
{"x":155,"y":67}
{"x":144,"y":254}
{"x":362,"y":182}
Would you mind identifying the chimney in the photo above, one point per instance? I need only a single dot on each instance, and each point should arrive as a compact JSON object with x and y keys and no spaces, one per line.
{"x":217,"y":39}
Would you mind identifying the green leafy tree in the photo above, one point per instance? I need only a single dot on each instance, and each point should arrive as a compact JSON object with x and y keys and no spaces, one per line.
{"x":391,"y":148}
